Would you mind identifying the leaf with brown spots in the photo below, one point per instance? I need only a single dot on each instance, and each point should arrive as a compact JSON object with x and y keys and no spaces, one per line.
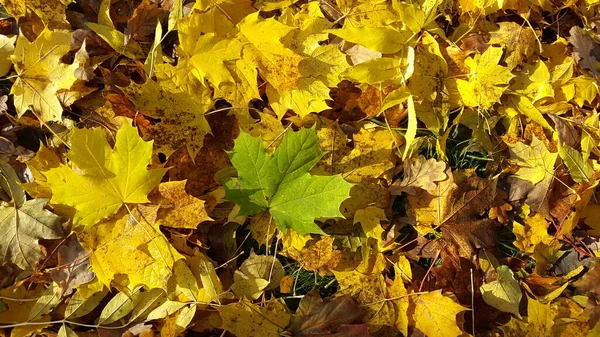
{"x":247,"y":319}
{"x":181,"y":116}
{"x":320,"y":256}
{"x":177,"y":208}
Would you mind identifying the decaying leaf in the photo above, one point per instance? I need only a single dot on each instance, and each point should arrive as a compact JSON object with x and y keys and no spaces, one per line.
{"x":420,"y":173}
{"x":457,"y":207}
{"x":182,"y":122}
{"x":338,"y":317}
{"x":179,"y":209}
{"x":587,"y":51}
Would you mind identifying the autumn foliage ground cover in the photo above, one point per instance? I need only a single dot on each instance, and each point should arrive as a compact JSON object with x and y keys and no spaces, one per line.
{"x":299,"y":168}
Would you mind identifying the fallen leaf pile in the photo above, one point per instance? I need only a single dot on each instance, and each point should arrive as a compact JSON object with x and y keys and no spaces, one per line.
{"x":265,"y":168}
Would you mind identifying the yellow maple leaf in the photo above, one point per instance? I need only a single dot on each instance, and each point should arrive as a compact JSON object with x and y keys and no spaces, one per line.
{"x":40,"y":74}
{"x":358,"y":13}
{"x":7,"y":48}
{"x":319,"y":256}
{"x":519,"y":40}
{"x":534,"y":82}
{"x":533,"y":231}
{"x":540,"y":321}
{"x":44,"y":160}
{"x":365,"y":164}
{"x":435,"y":315}
{"x":112,"y":177}
{"x":296,"y":82}
{"x":535,"y":160}
{"x":130,"y":250}
{"x":487,"y":80}
{"x":430,"y":70}
{"x":367,"y":284}
{"x":245,"y":318}
{"x":386,"y":40}
{"x":20,"y":307}
{"x":370,"y":219}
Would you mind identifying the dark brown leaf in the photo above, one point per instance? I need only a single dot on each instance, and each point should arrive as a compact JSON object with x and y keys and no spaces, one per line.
{"x":143,"y":21}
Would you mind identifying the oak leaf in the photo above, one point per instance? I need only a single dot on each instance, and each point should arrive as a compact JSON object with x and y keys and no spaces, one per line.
{"x":419,"y":173}
{"x":112,"y":177}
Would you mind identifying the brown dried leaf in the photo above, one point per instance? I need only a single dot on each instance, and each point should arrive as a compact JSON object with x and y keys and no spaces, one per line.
{"x":143,"y":21}
{"x":320,"y":256}
{"x":420,"y":173}
{"x":334,"y":318}
{"x":586,"y":52}
{"x":459,"y":210}
{"x":73,"y":267}
{"x":178,"y":209}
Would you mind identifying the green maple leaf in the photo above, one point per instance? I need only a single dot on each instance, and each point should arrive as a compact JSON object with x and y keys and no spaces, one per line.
{"x":112,"y":177}
{"x":281,"y":183}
